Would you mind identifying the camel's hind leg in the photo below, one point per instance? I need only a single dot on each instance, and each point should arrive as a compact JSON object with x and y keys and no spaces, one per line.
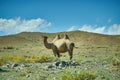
{"x":70,"y":54}
{"x":70,"y":51}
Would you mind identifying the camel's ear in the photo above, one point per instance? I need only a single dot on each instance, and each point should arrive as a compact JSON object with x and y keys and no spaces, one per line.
{"x":44,"y":36}
{"x":59,"y":36}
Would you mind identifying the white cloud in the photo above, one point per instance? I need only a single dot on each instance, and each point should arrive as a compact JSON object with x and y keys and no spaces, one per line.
{"x":71,"y":28}
{"x":110,"y":30}
{"x":12,"y":26}
{"x":90,"y":28}
{"x":114,"y":29}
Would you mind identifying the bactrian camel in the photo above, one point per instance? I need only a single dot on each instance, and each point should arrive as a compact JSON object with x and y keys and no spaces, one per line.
{"x":59,"y":45}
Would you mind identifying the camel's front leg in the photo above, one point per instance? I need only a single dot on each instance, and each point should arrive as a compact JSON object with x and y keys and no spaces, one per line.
{"x":57,"y":55}
{"x":55,"y":51}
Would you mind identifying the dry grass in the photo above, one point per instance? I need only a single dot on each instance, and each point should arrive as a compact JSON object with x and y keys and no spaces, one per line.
{"x":25,"y":59}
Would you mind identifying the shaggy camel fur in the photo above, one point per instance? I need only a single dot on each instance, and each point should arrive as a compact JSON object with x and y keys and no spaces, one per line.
{"x":59,"y":45}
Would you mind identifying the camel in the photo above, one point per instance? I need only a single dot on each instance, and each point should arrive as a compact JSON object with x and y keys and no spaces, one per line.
{"x":59,"y":45}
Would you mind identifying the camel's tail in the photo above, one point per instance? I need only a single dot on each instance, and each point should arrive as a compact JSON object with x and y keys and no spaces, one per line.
{"x":74,"y":46}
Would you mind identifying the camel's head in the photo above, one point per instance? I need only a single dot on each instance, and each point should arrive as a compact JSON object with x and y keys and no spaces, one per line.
{"x":44,"y":37}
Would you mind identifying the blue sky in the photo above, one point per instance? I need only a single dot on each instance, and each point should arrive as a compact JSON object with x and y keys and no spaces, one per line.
{"x":98,"y":16}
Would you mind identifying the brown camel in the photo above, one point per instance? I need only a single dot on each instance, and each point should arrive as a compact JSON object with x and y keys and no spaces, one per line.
{"x":59,"y":45}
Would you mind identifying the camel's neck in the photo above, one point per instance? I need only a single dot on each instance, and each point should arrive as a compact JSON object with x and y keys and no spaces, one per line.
{"x":46,"y":44}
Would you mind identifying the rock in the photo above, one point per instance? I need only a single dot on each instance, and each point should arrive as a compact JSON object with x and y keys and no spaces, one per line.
{"x":54,"y":78}
{"x":14,"y":65}
{"x":73,"y":63}
{"x":63,"y":64}
{"x":86,"y":68}
{"x":22,"y":66}
{"x":56,"y":64}
{"x":7,"y":65}
{"x":27,"y":76}
{"x":49,"y":67}
{"x":17,"y":68}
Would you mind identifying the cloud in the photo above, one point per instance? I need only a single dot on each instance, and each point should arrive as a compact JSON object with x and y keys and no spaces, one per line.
{"x":13,"y":26}
{"x":114,"y":29}
{"x":109,"y":30}
{"x":71,"y":28}
{"x":94,"y":29}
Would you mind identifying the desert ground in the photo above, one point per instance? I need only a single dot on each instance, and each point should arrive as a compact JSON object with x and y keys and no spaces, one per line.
{"x":23,"y":56}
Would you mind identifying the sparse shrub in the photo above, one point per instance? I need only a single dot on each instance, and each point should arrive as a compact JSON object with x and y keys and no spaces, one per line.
{"x":117,"y":55}
{"x":1,"y":62}
{"x":19,"y":59}
{"x":28,"y":70}
{"x":7,"y":59}
{"x":4,"y":59}
{"x":22,"y":75}
{"x":27,"y":52}
{"x":85,"y":75}
{"x":17,"y":48}
{"x":116,"y":62}
{"x":8,"y":47}
{"x":39,"y":59}
{"x":32,"y":59}
{"x":45,"y":59}
{"x":68,"y":76}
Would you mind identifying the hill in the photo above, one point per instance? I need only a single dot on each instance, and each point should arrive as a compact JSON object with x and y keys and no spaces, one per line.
{"x":79,"y":37}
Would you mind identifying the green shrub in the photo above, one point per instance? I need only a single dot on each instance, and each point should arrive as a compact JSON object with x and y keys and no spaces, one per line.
{"x":1,"y":62}
{"x":8,"y":47}
{"x":68,"y":76}
{"x":85,"y":75}
{"x":39,"y":59}
{"x":25,"y":59}
{"x":116,"y":62}
{"x":7,"y":59}
{"x":45,"y":59}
